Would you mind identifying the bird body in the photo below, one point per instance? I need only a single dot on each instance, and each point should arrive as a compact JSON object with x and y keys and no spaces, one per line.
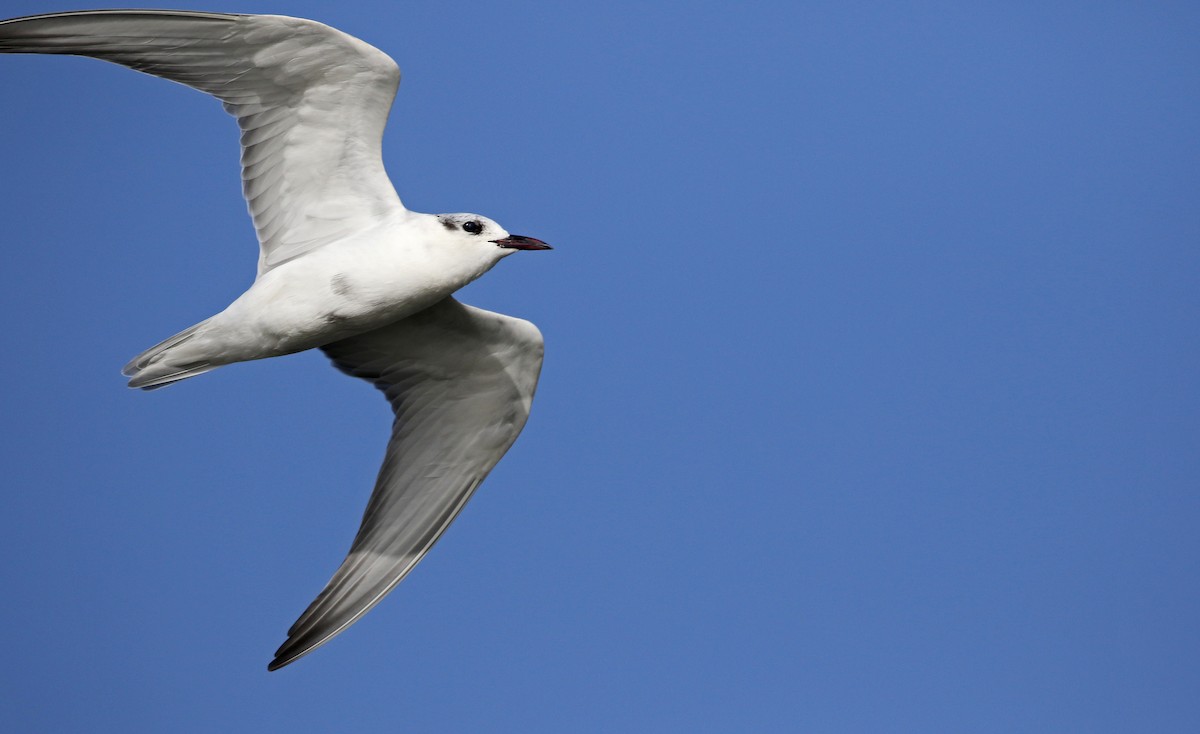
{"x":343,"y":266}
{"x":369,"y":279}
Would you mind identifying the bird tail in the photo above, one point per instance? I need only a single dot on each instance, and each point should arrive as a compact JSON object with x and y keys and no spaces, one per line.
{"x":169,"y":361}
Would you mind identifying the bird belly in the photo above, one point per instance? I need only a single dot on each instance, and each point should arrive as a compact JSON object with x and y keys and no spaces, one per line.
{"x":292,"y":309}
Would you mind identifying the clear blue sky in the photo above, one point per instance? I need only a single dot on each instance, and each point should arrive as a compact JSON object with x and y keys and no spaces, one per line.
{"x":871,"y":397}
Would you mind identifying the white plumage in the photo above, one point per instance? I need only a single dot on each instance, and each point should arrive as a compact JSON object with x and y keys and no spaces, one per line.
{"x":343,"y":266}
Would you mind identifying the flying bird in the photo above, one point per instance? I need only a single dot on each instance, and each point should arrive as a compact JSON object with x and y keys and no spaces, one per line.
{"x":342,"y":267}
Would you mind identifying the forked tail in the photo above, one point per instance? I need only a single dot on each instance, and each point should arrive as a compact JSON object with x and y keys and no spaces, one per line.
{"x":168,"y":361}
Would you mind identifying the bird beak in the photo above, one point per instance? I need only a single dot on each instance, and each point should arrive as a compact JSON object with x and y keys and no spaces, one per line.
{"x":517,"y":242}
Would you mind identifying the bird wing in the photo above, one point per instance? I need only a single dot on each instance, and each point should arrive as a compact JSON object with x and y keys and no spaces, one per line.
{"x":310,"y":100}
{"x":460,"y":381}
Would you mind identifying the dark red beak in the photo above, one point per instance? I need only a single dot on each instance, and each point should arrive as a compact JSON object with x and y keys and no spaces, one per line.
{"x":517,"y":242}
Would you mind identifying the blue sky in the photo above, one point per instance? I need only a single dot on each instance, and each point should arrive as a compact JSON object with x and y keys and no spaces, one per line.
{"x":870,"y":399}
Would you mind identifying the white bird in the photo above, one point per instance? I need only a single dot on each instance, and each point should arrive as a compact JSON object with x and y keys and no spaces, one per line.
{"x":342,"y":266}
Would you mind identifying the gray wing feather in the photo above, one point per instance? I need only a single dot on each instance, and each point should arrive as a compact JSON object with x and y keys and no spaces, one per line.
{"x":460,"y":381}
{"x":310,"y":100}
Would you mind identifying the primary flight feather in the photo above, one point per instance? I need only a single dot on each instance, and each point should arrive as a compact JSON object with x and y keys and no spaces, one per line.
{"x":342,"y":266}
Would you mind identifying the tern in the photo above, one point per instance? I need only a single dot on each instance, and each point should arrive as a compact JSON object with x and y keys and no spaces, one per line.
{"x":342,"y":267}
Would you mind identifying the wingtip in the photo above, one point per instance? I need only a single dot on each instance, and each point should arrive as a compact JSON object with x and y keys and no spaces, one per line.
{"x":282,"y":658}
{"x":285,"y":655}
{"x":289,"y":652}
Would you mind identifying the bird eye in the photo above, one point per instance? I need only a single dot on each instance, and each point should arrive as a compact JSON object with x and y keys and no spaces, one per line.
{"x":472,"y":227}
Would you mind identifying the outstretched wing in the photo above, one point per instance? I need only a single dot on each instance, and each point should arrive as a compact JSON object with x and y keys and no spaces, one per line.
{"x":311,"y":102}
{"x":460,"y":381}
